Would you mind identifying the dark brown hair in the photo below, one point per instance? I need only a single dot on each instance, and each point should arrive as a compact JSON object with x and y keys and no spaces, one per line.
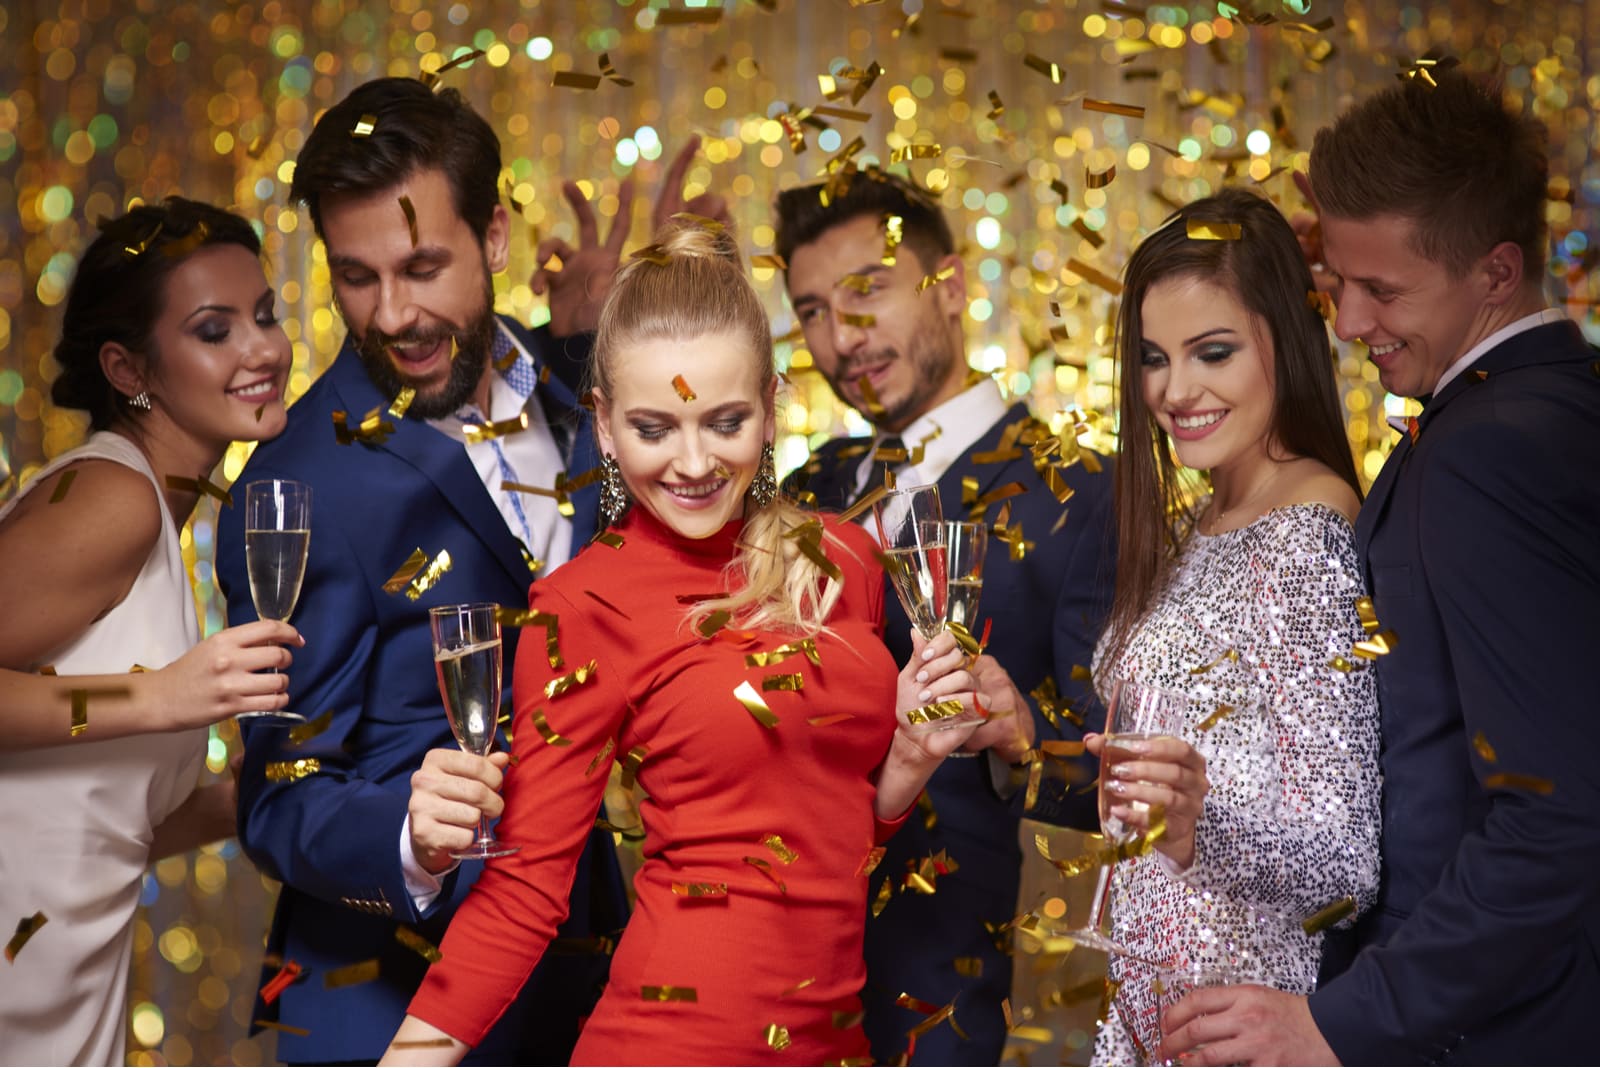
{"x":119,"y":291}
{"x":390,"y":128}
{"x":1265,"y":272}
{"x":803,"y":216}
{"x":1451,"y":158}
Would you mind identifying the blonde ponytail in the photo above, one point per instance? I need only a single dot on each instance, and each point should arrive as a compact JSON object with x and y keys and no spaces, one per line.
{"x":692,"y":282}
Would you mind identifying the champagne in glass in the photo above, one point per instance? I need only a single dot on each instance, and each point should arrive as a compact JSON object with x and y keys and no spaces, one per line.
{"x":467,"y":659}
{"x":911,"y":560}
{"x":277,"y":538}
{"x":957,"y":567}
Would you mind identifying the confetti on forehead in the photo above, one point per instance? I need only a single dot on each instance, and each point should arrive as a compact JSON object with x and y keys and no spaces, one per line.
{"x":682,"y":387}
{"x":893,"y":234}
{"x":411,"y":218}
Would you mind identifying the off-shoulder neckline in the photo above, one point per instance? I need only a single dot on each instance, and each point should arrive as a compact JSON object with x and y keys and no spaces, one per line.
{"x":1317,"y":506}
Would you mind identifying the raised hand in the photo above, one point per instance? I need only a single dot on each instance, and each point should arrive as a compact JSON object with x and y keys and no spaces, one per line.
{"x":578,"y":287}
{"x":669,"y":198}
{"x":1167,"y":772}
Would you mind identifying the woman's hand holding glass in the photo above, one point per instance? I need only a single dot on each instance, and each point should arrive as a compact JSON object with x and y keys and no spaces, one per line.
{"x":223,"y":675}
{"x":1164,"y":774}
{"x":937,"y":672}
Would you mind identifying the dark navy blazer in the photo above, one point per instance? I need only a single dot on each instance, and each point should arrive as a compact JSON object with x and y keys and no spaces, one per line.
{"x":1481,"y":545}
{"x":333,"y":837}
{"x":1048,"y":609}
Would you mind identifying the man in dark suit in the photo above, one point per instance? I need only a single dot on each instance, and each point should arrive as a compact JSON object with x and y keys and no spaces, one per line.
{"x":883,"y":324}
{"x":436,"y":432}
{"x":1478,"y":542}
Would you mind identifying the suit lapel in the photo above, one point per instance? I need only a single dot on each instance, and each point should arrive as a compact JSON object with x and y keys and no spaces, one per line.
{"x":1378,"y":499}
{"x":986,"y":477}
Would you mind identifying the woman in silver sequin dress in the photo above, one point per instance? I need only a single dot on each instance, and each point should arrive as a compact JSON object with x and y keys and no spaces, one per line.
{"x":1247,"y":595}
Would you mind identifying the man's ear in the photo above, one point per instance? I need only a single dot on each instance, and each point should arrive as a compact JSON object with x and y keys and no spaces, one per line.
{"x":497,"y":240}
{"x":1502,"y":272}
{"x":952,"y":292}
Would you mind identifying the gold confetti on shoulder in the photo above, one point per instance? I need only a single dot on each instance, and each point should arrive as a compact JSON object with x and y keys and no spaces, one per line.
{"x":63,"y":485}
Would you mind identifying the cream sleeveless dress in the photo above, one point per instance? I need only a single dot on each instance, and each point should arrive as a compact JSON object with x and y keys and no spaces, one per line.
{"x":76,"y":820}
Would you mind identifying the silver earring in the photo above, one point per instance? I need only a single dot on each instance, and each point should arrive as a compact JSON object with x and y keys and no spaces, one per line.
{"x":140,"y":400}
{"x":614,"y":499}
{"x":764,"y":487}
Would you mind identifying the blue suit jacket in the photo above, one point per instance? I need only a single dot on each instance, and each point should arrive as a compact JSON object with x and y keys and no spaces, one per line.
{"x":1048,"y":609}
{"x":333,"y":837}
{"x":1480,"y":547}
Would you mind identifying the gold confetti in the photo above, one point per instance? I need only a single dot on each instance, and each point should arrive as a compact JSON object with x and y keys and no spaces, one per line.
{"x":969,"y":967}
{"x":1081,"y":228}
{"x":1108,"y":107}
{"x":201,"y":485}
{"x":572,"y":679}
{"x":710,"y":625}
{"x":783,"y":682}
{"x":855,"y":319}
{"x":801,"y":985}
{"x":932,"y":713}
{"x":669,"y":993}
{"x":684,"y":392}
{"x":304,"y":732}
{"x":754,"y":704}
{"x":63,"y":484}
{"x":571,"y":79}
{"x":881,"y":901}
{"x":351,"y":974}
{"x":828,"y":721}
{"x":526,"y":617}
{"x":630,"y":765}
{"x":80,"y":706}
{"x":288,"y":1029}
{"x":418,"y":945}
{"x":609,"y":70}
{"x":1091,"y":180}
{"x":1099,"y":278}
{"x":774,"y":262}
{"x":410,"y":218}
{"x":1230,"y":655}
{"x":700,"y":889}
{"x":364,"y":126}
{"x":1222,"y":712}
{"x":1367,"y":614}
{"x":1380,"y":644}
{"x":292,"y":770}
{"x":1339,"y":663}
{"x":423,"y":1043}
{"x":408,"y":570}
{"x":422,"y":583}
{"x":996,"y":108}
{"x":547,"y":732}
{"x":1325,"y":918}
{"x":430,"y":78}
{"x":1043,"y":66}
{"x":930,"y":280}
{"x":870,"y":862}
{"x":765,"y":868}
{"x":1506,"y":780}
{"x":808,"y":539}
{"x":1213,"y":230}
{"x":777,"y":1037}
{"x":1483,"y":748}
{"x":858,"y":282}
{"x":372,"y":430}
{"x":784,"y":854}
{"x":847,"y":114}
{"x":478,"y":433}
{"x":605,"y":751}
{"x":706,"y":16}
{"x":27,"y":927}
{"x":806,"y":646}
{"x":260,"y":408}
{"x":911,"y":152}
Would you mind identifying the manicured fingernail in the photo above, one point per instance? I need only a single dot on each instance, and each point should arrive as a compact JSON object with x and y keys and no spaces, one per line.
{"x":922,"y":676}
{"x":1117,"y":786}
{"x":925,"y":695}
{"x":1122,"y":771}
{"x":927,"y":653}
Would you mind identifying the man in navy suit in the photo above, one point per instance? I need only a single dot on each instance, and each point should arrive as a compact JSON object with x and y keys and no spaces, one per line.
{"x":436,"y":432}
{"x":888,"y":338}
{"x":1478,"y":542}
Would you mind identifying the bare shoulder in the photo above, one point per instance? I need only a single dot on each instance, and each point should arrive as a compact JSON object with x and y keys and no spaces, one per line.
{"x":1312,"y":482}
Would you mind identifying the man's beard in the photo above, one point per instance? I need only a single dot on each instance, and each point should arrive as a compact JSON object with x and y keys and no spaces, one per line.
{"x":931,"y":364}
{"x":473,"y":343}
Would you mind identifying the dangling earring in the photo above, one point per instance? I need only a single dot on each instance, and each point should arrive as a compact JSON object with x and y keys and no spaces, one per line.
{"x":764,"y":487}
{"x":140,"y":400}
{"x":614,"y":499}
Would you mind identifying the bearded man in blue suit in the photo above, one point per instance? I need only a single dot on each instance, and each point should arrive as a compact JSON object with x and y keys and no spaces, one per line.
{"x":1479,"y":545}
{"x":880,"y":293}
{"x":439,"y":450}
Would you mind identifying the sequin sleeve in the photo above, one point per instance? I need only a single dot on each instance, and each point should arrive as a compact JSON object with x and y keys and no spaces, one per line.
{"x":1310,"y":838}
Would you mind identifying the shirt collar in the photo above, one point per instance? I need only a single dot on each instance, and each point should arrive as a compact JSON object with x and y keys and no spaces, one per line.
{"x":947,"y":431}
{"x":1504,"y":334}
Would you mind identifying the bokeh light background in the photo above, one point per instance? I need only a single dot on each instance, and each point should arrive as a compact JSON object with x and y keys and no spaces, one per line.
{"x":103,"y":102}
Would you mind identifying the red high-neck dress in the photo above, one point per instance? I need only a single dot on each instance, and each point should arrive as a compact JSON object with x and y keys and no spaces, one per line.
{"x":768,"y":972}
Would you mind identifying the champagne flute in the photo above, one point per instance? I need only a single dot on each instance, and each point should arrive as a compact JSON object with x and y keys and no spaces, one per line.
{"x":957,"y":563}
{"x":1137,"y":713}
{"x":902,"y":516}
{"x":277,"y":537}
{"x":467,"y":659}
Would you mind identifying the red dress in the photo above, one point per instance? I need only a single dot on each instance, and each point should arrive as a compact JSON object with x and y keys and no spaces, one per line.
{"x":769,"y":970}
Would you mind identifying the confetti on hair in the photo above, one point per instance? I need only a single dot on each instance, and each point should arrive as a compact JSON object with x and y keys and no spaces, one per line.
{"x":364,"y":126}
{"x":941,"y":275}
{"x":772,"y":262}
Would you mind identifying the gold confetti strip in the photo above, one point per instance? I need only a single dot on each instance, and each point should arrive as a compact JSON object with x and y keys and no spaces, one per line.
{"x":1325,"y":918}
{"x":777,"y":1037}
{"x":784,"y":854}
{"x":1043,"y":66}
{"x":843,"y":1021}
{"x":560,"y":493}
{"x":411,"y":218}
{"x":459,"y":61}
{"x":1213,"y":230}
{"x":969,"y":967}
{"x":783,"y":682}
{"x":526,"y":617}
{"x":547,"y":732}
{"x":774,"y":262}
{"x":755,"y":705}
{"x":202,"y":486}
{"x":1108,"y":107}
{"x":846,"y":114}
{"x":1091,"y":275}
{"x":684,"y":392}
{"x":609,"y":71}
{"x":288,"y":1029}
{"x":27,"y":927}
{"x":828,"y":721}
{"x":423,"y":1043}
{"x":304,"y":732}
{"x":669,"y":993}
{"x":706,"y":16}
{"x":1483,"y":748}
{"x":858,"y":282}
{"x":911,"y":152}
{"x":807,"y":646}
{"x":80,"y":705}
{"x":260,"y":408}
{"x":1061,"y":749}
{"x":478,"y":433}
{"x":372,"y":430}
{"x":932,"y":713}
{"x":863,"y":504}
{"x":765,"y":868}
{"x":626,"y":834}
{"x":881,"y":901}
{"x":1339,"y":663}
{"x":801,"y":985}
{"x":656,"y":254}
{"x":408,"y":570}
{"x":430,"y":576}
{"x":1230,"y":655}
{"x":138,"y":248}
{"x":572,"y":679}
{"x":186,"y":244}
{"x":292,"y":770}
{"x":605,"y":751}
{"x":1091,"y":180}
{"x":1367,"y":614}
{"x":701,"y":890}
{"x":713,"y":623}
{"x":1380,"y":644}
{"x":959,"y":55}
{"x":63,"y":484}
{"x":351,"y":974}
{"x":870,"y":862}
{"x":418,"y":945}
{"x":930,"y":280}
{"x":630,"y":766}
{"x":1506,"y":780}
{"x":1081,"y":228}
{"x":808,"y":539}
{"x":858,"y":320}
{"x":571,"y":79}
{"x":364,"y":126}
{"x":1222,"y":712}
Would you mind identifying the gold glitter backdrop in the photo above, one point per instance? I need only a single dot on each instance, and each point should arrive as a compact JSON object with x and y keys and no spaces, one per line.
{"x":1058,"y":132}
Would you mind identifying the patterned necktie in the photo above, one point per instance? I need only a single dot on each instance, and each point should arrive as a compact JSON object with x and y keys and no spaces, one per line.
{"x":522,"y":377}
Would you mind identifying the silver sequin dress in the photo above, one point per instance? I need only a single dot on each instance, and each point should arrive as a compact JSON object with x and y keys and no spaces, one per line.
{"x":1291,"y":821}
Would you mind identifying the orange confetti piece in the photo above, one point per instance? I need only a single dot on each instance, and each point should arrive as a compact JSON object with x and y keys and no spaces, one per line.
{"x":1506,"y":780}
{"x":683,"y":389}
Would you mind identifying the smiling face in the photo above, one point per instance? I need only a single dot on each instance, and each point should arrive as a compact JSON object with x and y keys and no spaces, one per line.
{"x":421,"y":310}
{"x":1206,"y":372}
{"x":218,"y":354}
{"x":1415,"y":317}
{"x":907,"y":344}
{"x":688,"y":462}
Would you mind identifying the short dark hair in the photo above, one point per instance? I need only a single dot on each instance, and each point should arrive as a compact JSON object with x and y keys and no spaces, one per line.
{"x":804,"y":215}
{"x":119,"y":288}
{"x":1266,"y":272}
{"x":390,"y":128}
{"x":1450,"y":157}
